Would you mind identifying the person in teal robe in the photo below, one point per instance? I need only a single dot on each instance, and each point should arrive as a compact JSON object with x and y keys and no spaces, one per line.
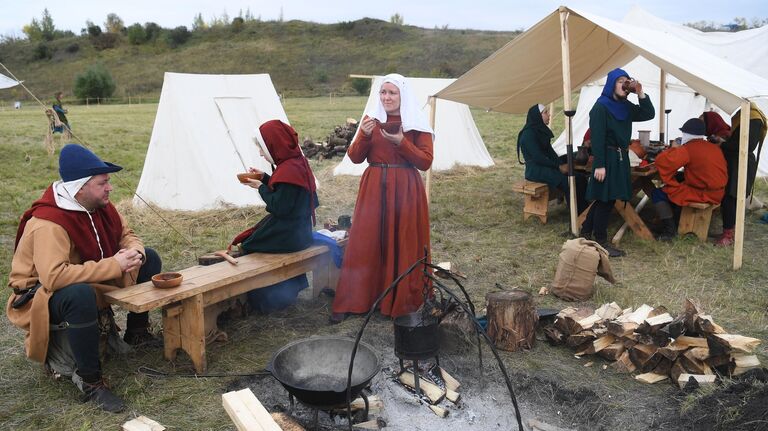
{"x":542,"y":164}
{"x":610,"y":123}
{"x":291,"y":198}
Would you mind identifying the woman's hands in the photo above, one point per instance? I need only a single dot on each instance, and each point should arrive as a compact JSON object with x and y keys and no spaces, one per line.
{"x":599,"y":174}
{"x":367,"y":125}
{"x":394,"y":138}
{"x":253,"y":182}
{"x":639,"y":90}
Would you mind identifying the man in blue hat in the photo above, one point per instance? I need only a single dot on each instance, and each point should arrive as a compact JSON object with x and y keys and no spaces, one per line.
{"x":703,"y":180}
{"x":71,"y":246}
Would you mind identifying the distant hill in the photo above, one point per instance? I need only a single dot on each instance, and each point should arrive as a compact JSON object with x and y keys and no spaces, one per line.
{"x":303,"y":58}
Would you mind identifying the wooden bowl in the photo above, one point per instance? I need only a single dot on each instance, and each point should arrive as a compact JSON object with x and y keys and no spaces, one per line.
{"x":391,"y":127}
{"x":166,"y":280}
{"x":244,"y":177}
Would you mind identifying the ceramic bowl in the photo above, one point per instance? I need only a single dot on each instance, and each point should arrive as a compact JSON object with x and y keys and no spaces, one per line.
{"x":391,"y":127}
{"x":244,"y":177}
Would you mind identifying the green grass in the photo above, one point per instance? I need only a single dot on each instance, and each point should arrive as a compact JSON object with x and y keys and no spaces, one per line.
{"x":476,"y":223}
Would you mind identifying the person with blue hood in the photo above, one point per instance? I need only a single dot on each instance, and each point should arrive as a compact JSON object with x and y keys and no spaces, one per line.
{"x":610,"y":123}
{"x":541,"y":161}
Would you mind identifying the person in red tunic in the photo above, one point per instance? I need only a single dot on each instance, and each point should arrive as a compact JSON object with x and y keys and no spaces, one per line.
{"x":390,"y":224}
{"x":705,"y":176}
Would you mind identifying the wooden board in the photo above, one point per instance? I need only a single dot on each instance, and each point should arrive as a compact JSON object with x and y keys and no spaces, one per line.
{"x":247,"y":413}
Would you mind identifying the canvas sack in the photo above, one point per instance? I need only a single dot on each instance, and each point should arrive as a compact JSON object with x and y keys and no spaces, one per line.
{"x":580,"y":261}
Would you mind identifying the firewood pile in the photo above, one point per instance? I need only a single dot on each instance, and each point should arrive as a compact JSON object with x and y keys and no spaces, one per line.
{"x":654,"y":344}
{"x":335,"y":145}
{"x":435,"y":386}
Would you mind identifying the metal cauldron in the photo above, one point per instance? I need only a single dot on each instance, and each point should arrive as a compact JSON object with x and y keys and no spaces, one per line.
{"x":314,"y":370}
{"x":416,"y":336}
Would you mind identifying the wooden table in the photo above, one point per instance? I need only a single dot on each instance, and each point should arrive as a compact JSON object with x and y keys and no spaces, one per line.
{"x":642,"y":180}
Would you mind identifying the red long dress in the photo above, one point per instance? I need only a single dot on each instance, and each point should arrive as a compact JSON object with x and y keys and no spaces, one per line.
{"x":390,"y":225}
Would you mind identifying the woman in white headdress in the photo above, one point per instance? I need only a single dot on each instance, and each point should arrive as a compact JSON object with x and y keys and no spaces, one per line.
{"x":390,"y":225}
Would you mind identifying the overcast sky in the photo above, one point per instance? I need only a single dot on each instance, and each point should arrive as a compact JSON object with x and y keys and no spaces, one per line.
{"x":475,"y":14}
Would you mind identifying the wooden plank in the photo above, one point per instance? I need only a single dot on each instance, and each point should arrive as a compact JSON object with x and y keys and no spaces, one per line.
{"x":651,"y":377}
{"x":450,"y":382}
{"x":142,"y":423}
{"x":257,"y":410}
{"x":192,"y":325}
{"x":198,"y":279}
{"x":239,"y":413}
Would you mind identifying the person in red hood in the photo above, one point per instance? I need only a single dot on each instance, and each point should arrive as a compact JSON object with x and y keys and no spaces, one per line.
{"x":291,"y":198}
{"x":71,"y":246}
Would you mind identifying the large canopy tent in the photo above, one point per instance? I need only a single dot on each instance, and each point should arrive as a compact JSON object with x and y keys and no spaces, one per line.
{"x":747,"y":49}
{"x":6,"y":82}
{"x":568,"y":49}
{"x":202,"y":137}
{"x":457,"y":140}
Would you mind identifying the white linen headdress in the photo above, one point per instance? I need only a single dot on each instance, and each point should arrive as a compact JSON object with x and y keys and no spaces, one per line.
{"x":412,"y":116}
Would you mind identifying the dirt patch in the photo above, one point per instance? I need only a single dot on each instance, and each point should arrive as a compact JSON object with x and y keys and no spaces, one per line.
{"x":739,"y":405}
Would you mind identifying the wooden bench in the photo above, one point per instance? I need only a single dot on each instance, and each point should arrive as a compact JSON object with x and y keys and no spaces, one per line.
{"x":537,"y":197}
{"x":695,"y":218}
{"x":190,"y":310}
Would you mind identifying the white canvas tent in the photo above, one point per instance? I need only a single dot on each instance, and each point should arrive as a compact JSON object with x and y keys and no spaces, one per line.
{"x":6,"y":82}
{"x":568,"y":49}
{"x":457,"y":140}
{"x":202,"y":137}
{"x":747,"y":49}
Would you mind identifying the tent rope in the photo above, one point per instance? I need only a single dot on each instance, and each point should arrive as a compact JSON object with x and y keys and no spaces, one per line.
{"x":82,"y":142}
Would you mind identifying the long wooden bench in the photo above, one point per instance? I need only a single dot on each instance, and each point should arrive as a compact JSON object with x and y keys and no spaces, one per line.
{"x":190,"y":310}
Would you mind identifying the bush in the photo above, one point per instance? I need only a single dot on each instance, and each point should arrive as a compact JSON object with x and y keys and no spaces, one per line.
{"x":136,"y":34}
{"x":72,"y":48}
{"x":361,"y":85}
{"x":178,"y":36}
{"x":95,"y":82}
{"x":93,"y":29}
{"x":152,"y":31}
{"x":105,"y":41}
{"x":237,"y":24}
{"x":43,"y":52}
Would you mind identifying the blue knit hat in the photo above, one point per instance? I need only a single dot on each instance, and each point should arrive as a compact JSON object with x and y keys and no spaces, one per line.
{"x":77,"y":162}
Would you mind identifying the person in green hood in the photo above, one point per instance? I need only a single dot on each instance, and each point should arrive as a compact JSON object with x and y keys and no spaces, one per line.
{"x":541,"y":161}
{"x":610,"y":123}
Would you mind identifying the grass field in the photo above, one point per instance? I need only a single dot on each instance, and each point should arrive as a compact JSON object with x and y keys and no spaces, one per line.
{"x":476,"y":224}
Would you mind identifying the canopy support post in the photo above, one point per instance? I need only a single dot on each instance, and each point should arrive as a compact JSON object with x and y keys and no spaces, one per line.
{"x":566,"y":57}
{"x":741,"y":189}
{"x":662,"y":106}
{"x":432,"y":106}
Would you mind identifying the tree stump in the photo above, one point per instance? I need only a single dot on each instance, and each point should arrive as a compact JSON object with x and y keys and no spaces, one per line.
{"x":511,"y":320}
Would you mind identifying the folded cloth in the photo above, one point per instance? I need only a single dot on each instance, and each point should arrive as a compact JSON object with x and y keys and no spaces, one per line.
{"x":320,"y":238}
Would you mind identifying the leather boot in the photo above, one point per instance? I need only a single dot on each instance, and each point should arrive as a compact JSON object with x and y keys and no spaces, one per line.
{"x":726,"y":239}
{"x":612,"y":251}
{"x":99,"y":393}
{"x":668,"y":230}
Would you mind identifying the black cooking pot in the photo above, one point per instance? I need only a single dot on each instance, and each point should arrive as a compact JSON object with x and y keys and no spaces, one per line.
{"x":416,"y":336}
{"x":314,"y":370}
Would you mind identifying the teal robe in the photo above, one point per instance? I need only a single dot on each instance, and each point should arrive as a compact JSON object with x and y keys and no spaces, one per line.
{"x":610,"y":146}
{"x":541,"y":161}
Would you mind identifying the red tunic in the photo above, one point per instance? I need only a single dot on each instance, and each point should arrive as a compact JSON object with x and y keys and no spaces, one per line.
{"x":706,"y":173}
{"x":390,"y":225}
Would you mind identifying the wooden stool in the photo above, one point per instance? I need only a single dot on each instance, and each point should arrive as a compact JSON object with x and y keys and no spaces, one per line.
{"x":695,"y":218}
{"x":537,"y":196}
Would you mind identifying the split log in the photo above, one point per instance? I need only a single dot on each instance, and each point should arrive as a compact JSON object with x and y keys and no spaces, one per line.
{"x":691,"y":310}
{"x":580,"y":338}
{"x":744,"y":363}
{"x":705,"y":326}
{"x":724,"y":343}
{"x":372,"y":424}
{"x":687,"y":341}
{"x":676,"y":370}
{"x":567,"y":318}
{"x":645,"y":357}
{"x":621,"y":329}
{"x":637,"y":316}
{"x":698,"y":353}
{"x":663,"y":367}
{"x":554,"y":335}
{"x":701,"y":379}
{"x":674,"y":328}
{"x":246,"y":411}
{"x":719,"y":361}
{"x":672,"y":350}
{"x":450,"y":382}
{"x":609,"y":311}
{"x":286,"y":422}
{"x":375,"y":404}
{"x":653,"y":324}
{"x":693,"y":365}
{"x":431,"y":390}
{"x":624,"y":364}
{"x":613,"y":351}
{"x":142,"y":423}
{"x":512,"y":320}
{"x":452,"y":396}
{"x":651,"y":377}
{"x":597,"y":345}
{"x":439,"y":411}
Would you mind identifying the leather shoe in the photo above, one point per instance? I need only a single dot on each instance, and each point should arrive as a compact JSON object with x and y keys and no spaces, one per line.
{"x":337,"y":318}
{"x":141,"y":338}
{"x":100,"y":394}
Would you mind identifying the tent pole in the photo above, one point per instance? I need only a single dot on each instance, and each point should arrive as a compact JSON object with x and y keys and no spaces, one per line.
{"x":741,"y":189}
{"x":432,"y":106}
{"x":662,"y":105}
{"x":567,"y":107}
